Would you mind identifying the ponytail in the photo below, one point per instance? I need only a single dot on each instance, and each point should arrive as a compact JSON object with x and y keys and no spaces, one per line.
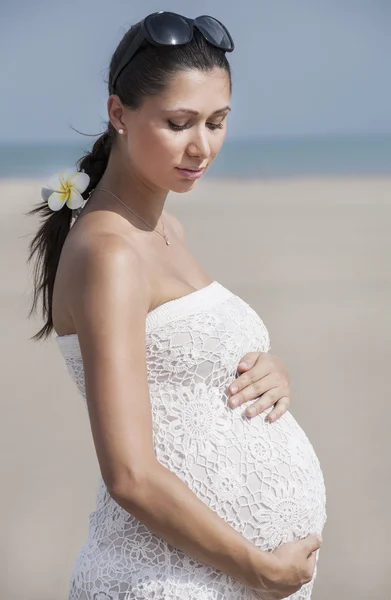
{"x":47,"y":244}
{"x":94,"y":163}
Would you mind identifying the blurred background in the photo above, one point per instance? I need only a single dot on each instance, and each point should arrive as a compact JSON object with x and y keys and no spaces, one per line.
{"x":293,"y":216}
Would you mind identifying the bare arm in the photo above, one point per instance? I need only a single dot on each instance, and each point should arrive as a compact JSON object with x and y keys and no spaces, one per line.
{"x":109,"y":305}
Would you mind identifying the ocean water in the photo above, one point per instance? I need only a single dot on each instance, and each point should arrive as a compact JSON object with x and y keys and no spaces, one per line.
{"x":265,"y":158}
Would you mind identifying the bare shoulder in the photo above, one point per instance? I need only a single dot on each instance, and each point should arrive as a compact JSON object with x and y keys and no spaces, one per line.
{"x":176,"y":225}
{"x":103,"y":248}
{"x":108,"y":277}
{"x":103,"y":254}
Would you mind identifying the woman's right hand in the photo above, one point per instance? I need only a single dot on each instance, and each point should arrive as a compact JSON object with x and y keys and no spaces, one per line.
{"x":291,"y":566}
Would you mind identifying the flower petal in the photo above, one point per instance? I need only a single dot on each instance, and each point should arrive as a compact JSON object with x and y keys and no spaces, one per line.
{"x":79,"y":181}
{"x":75,"y":200}
{"x":67,"y":174}
{"x":55,"y":183}
{"x":57,"y":200}
{"x":45,"y":193}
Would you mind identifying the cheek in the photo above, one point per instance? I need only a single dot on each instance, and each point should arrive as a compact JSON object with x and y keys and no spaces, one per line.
{"x":173,"y":143}
{"x":144,"y":152}
{"x":216,"y":142}
{"x":158,"y":146}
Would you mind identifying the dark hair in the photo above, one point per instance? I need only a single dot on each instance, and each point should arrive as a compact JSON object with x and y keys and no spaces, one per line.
{"x":146,"y":75}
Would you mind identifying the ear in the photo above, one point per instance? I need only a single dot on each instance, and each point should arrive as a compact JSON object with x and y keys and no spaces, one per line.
{"x":115,"y":112}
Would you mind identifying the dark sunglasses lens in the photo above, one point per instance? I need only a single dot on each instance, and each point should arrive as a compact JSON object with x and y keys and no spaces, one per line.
{"x":169,"y":29}
{"x":214,"y":32}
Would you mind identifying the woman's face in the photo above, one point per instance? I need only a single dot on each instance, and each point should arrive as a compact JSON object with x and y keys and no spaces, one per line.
{"x":182,"y":128}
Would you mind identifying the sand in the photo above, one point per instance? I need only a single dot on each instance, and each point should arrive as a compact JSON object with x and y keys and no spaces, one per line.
{"x":312,"y":256}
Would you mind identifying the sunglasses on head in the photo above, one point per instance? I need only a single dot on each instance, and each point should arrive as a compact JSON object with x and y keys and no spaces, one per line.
{"x":170,"y":29}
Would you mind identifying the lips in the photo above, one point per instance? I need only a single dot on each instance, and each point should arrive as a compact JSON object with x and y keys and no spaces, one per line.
{"x":190,"y":173}
{"x":194,"y":170}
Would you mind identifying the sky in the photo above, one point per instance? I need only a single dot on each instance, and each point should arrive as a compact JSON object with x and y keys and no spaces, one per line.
{"x":300,"y":67}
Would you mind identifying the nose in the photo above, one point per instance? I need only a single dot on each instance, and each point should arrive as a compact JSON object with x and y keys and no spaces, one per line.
{"x":199,"y":144}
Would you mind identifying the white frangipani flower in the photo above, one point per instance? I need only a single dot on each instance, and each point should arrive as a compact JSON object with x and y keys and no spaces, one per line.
{"x":65,"y":188}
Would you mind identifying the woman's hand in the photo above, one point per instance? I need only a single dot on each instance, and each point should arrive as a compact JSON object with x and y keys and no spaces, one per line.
{"x":292,"y":566}
{"x":263,"y":375}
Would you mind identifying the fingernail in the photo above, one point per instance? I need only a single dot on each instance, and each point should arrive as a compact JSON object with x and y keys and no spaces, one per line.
{"x":243,"y":364}
{"x":234,"y":389}
{"x":233,"y":403}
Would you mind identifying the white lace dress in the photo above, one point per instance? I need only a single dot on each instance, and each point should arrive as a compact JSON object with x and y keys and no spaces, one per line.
{"x":263,"y":479}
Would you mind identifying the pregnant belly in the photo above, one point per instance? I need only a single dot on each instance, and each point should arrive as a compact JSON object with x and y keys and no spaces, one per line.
{"x":264,"y":479}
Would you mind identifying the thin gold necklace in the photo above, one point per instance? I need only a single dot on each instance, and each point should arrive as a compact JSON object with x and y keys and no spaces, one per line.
{"x":134,"y":212}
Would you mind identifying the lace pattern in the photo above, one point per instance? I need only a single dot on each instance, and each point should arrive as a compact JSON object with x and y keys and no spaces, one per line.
{"x":263,"y":479}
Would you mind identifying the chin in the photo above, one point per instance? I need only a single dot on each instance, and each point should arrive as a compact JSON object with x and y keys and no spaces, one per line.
{"x":181,"y":187}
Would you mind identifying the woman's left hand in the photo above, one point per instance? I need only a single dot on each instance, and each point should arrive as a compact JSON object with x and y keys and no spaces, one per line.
{"x":265,"y":375}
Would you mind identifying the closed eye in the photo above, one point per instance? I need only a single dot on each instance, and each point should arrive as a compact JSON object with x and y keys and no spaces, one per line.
{"x":211,"y":126}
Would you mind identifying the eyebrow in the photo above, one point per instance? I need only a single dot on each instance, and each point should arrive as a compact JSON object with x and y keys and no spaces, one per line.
{"x":196,"y":113}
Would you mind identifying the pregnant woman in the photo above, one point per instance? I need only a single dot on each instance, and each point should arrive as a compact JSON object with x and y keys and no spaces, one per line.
{"x":197,"y":499}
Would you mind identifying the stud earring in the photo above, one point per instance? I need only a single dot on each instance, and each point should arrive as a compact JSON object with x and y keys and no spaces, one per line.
{"x":121,"y":131}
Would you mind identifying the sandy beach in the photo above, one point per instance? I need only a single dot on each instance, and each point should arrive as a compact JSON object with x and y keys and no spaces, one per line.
{"x":312,"y":256}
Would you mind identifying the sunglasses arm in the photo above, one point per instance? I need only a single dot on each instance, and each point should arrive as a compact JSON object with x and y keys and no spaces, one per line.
{"x":131,"y":51}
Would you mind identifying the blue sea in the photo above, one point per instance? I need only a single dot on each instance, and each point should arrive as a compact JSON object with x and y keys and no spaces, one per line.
{"x":263,"y":157}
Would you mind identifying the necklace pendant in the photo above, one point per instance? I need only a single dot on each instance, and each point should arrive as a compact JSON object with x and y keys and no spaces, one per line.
{"x":167,"y":241}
